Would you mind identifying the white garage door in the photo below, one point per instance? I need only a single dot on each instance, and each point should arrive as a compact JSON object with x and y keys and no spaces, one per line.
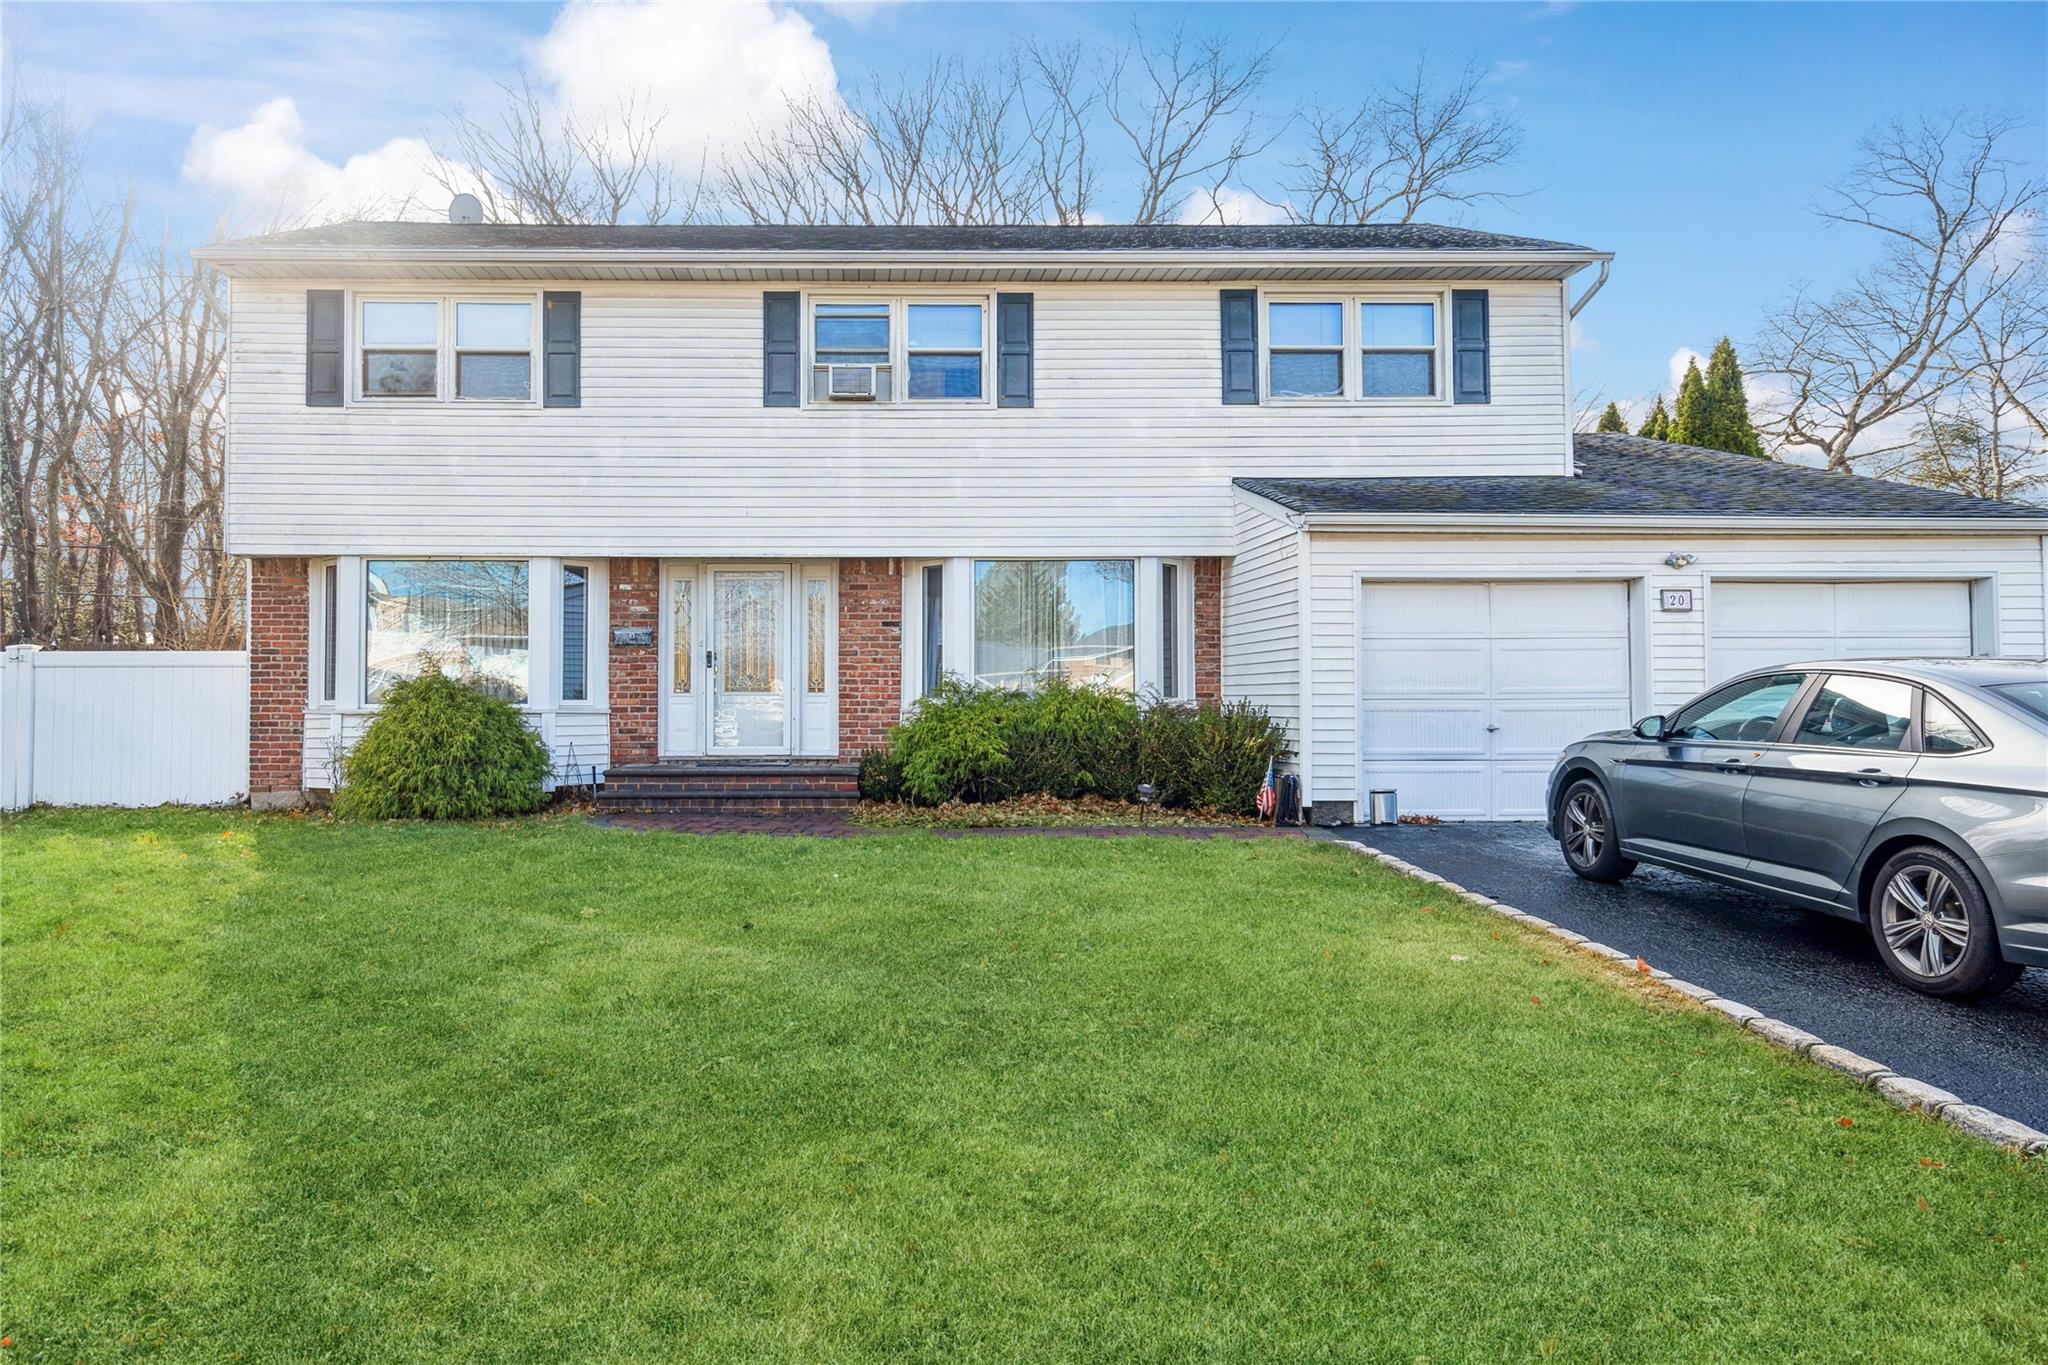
{"x":1756,"y":625}
{"x":1468,"y":690}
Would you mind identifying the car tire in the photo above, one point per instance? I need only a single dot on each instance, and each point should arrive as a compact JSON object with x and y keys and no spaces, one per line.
{"x":1587,"y":835}
{"x":1933,"y":928}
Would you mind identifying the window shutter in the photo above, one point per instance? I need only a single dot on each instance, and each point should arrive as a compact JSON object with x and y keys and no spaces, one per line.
{"x":781,"y":348}
{"x":1471,"y":373}
{"x":561,"y":332}
{"x":1013,"y":350}
{"x":324,"y":365}
{"x":1240,"y":345}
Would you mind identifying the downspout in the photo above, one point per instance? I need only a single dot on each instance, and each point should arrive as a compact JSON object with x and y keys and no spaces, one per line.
{"x":1591,"y":289}
{"x":1304,"y":680}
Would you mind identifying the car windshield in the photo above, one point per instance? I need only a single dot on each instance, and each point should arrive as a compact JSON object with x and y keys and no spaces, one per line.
{"x":2030,"y":696}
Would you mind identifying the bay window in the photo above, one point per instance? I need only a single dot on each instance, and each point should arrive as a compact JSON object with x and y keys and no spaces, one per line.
{"x":1036,"y":619}
{"x":466,"y":617}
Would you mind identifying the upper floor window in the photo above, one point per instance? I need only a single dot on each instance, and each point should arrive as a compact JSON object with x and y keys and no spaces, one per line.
{"x":859,"y":347}
{"x":401,"y":345}
{"x":1360,"y":348}
{"x":446,"y":348}
{"x":1397,"y":350}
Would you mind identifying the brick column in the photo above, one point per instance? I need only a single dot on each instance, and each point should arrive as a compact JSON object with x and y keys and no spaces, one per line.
{"x":278,"y":639}
{"x":870,"y":653}
{"x":1209,"y":630}
{"x":633,"y":675}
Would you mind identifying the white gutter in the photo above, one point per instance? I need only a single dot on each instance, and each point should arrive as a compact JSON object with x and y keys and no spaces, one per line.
{"x":1593,"y":288}
{"x":1518,"y":523}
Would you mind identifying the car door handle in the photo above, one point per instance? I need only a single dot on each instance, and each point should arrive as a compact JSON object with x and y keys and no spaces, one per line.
{"x":1493,"y":729}
{"x":1873,"y":777}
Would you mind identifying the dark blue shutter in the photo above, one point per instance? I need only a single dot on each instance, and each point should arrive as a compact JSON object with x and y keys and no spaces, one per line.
{"x":561,"y":349}
{"x":781,"y":348}
{"x":1013,"y":350}
{"x":1240,"y":345}
{"x":1471,"y":374}
{"x":324,"y":367}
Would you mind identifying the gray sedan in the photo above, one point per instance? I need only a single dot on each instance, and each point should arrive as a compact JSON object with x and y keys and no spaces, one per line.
{"x":1911,"y":794}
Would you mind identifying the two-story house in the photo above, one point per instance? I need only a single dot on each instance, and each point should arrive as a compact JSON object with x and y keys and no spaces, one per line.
{"x":745,"y":493}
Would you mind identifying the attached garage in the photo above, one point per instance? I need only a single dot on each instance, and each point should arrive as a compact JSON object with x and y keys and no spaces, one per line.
{"x":1758,"y":624}
{"x":1467,"y":690}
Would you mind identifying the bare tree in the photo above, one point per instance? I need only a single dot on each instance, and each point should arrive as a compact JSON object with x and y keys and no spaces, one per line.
{"x":949,"y":145}
{"x":1187,"y":108}
{"x":530,"y":162}
{"x":1402,"y":150}
{"x":1946,"y":206}
{"x":1059,"y":104}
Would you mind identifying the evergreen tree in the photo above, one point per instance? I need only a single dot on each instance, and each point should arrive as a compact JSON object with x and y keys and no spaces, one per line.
{"x":1690,"y":418}
{"x":1657,"y":426}
{"x":1728,"y":426}
{"x":1611,"y":421}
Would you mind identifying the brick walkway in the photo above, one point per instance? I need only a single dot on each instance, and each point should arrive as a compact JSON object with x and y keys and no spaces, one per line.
{"x":829,"y":826}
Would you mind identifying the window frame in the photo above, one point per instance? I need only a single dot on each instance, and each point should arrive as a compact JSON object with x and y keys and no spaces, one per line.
{"x":898,"y":350}
{"x":1351,"y":367}
{"x":1338,"y":349}
{"x":1795,"y":705}
{"x":1919,"y":734}
{"x":541,"y":694}
{"x":447,"y":355}
{"x":1786,"y":735}
{"x":1139,"y":633}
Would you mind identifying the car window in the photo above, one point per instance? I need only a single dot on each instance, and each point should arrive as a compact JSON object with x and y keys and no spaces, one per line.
{"x":1744,"y":712}
{"x":2031,"y":695}
{"x":1942,"y":731}
{"x":1856,"y":712}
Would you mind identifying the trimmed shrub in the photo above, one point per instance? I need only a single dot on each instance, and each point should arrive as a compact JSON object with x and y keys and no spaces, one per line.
{"x":979,"y":744}
{"x":442,"y":751}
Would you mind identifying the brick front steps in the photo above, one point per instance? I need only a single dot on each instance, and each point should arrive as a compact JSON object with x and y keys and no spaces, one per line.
{"x":730,"y":786}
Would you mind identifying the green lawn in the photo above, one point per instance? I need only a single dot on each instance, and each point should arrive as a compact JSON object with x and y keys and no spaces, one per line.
{"x":282,"y":1089}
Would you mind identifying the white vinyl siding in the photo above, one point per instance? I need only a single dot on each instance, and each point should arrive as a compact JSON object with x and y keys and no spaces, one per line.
{"x":672,"y":452}
{"x":1674,"y":667}
{"x":1261,"y":618}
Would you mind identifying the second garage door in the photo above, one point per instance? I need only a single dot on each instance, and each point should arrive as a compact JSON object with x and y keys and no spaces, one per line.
{"x":1757,"y":625}
{"x":1468,"y":690}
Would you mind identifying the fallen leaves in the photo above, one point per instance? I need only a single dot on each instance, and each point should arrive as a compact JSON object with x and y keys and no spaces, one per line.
{"x":1846,"y":1121}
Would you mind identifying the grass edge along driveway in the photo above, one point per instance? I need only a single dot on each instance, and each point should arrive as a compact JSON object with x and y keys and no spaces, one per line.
{"x":283,"y":1088}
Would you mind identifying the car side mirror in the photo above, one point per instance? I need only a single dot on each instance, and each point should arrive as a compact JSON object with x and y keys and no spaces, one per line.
{"x":1650,"y":727}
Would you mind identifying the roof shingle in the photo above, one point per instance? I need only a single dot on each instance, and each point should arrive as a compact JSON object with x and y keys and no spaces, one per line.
{"x":1633,"y":476}
{"x":723,"y":237}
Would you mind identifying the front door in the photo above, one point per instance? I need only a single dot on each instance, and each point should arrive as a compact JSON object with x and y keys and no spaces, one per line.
{"x":747,"y":667}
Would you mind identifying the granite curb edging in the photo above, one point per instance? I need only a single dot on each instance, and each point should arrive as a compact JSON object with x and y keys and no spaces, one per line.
{"x":1906,"y":1092}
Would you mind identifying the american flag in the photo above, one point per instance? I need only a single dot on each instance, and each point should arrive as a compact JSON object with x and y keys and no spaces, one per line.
{"x":1266,"y":796}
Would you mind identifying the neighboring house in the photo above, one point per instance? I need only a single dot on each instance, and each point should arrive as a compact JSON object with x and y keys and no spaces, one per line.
{"x":695,"y":493}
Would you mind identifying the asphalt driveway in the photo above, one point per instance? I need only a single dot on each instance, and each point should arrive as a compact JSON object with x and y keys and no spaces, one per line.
{"x":1811,"y":970}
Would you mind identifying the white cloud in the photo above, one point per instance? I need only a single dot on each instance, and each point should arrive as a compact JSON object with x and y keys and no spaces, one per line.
{"x":272,"y":175}
{"x":1226,"y":204}
{"x":1506,"y":69}
{"x":717,"y":71}
{"x":1680,"y":358}
{"x":1582,"y":340}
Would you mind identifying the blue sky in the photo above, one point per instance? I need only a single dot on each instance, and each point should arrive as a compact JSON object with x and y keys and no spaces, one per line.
{"x":1688,"y":139}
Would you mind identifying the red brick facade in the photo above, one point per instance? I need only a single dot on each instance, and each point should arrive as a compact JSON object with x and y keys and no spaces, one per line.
{"x":278,"y":634}
{"x":633,"y":681}
{"x":870,"y":652}
{"x":1209,"y":630}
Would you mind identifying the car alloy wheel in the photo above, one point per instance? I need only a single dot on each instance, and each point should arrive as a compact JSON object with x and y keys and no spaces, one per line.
{"x":1585,"y":825}
{"x":1925,"y":922}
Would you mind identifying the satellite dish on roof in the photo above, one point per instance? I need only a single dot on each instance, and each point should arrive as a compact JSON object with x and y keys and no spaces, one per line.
{"x":465,"y":208}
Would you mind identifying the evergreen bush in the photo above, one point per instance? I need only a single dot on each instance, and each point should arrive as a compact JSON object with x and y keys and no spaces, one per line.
{"x":442,"y":751}
{"x":982,"y":744}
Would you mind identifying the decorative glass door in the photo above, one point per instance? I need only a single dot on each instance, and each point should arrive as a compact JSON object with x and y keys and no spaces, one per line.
{"x":746,"y":667}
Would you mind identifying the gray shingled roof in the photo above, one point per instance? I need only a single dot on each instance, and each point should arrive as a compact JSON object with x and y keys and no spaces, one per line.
{"x":715,"y":237}
{"x":1632,"y":476}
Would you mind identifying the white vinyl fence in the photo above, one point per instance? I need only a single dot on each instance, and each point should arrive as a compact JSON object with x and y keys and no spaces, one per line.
{"x":124,"y":728}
